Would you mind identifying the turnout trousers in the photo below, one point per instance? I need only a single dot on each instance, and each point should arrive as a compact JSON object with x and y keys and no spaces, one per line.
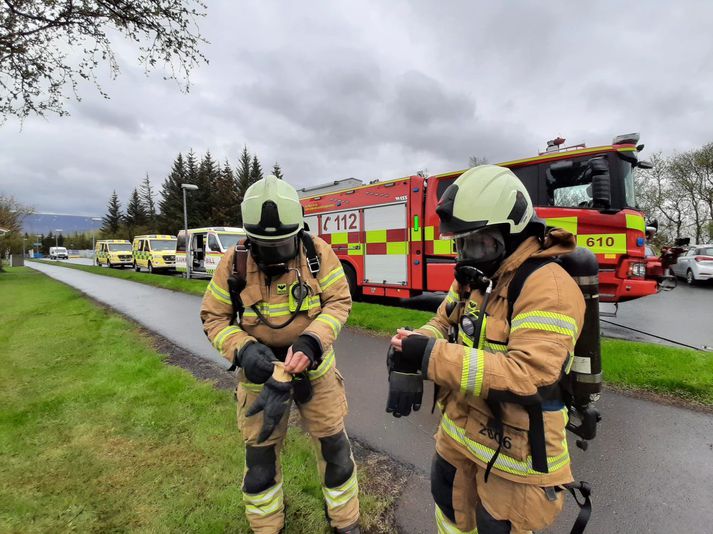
{"x":323,"y":418}
{"x":466,"y":504}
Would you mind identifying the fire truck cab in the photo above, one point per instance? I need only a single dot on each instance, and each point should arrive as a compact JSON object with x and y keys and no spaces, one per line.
{"x":387,"y":233}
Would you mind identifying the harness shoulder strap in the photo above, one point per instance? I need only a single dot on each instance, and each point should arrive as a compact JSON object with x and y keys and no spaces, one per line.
{"x":312,"y":257}
{"x":521,"y":276}
{"x":238,"y":279}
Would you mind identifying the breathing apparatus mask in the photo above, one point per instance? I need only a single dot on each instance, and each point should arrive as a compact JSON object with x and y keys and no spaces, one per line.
{"x":480,"y":253}
{"x":272,"y":256}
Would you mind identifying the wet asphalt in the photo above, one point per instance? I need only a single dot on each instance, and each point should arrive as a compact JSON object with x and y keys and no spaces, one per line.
{"x":651,"y":465}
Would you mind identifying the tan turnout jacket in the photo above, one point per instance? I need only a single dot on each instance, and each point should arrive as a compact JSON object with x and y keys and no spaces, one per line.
{"x":517,"y":357}
{"x":322,"y":315}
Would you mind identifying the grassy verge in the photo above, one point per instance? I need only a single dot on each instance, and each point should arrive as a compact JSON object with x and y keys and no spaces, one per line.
{"x":683,"y":373}
{"x":97,"y":434}
{"x":194,"y":287}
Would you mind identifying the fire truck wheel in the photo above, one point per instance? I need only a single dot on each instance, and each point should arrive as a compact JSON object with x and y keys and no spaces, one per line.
{"x":350,"y":274}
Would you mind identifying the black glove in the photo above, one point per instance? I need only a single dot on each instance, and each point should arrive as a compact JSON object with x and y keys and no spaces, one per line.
{"x":310,"y":347}
{"x":274,"y":400}
{"x":256,"y":360}
{"x":405,"y":376}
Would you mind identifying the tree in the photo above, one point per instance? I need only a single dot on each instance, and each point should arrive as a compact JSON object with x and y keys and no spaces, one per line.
{"x":171,"y":203}
{"x":148,"y":200}
{"x":474,"y":161}
{"x":36,"y":68}
{"x":277,"y":171}
{"x":11,"y":215}
{"x":204,"y":199}
{"x":226,"y":207}
{"x":255,"y":170}
{"x":242,"y":177}
{"x":111,"y":222}
{"x":135,"y":217}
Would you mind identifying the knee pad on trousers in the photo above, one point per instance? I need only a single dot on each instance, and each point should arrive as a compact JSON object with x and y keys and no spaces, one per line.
{"x":338,"y":455}
{"x":261,"y":472}
{"x":487,"y":524}
{"x":442,"y":476}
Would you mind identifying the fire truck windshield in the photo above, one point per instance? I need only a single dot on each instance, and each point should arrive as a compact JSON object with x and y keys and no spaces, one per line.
{"x":625,"y":172}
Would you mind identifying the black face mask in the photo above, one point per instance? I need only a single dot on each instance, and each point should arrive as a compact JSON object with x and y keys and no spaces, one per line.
{"x":273,"y":254}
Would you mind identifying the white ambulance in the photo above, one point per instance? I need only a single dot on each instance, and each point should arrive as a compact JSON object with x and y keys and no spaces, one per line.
{"x":204,"y":248}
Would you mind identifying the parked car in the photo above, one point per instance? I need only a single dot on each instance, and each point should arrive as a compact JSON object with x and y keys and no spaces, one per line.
{"x":696,"y":265}
{"x":58,"y":253}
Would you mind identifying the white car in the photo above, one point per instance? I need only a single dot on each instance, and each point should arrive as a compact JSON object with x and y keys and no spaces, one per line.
{"x":696,"y":265}
{"x":58,"y":253}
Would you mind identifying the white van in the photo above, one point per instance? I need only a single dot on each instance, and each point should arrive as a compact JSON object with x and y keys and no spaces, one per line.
{"x":206,"y":247}
{"x":58,"y":253}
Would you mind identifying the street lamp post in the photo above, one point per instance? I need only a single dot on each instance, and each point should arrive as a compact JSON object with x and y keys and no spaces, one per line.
{"x":187,"y":187}
{"x":94,"y":233}
{"x":56,"y":237}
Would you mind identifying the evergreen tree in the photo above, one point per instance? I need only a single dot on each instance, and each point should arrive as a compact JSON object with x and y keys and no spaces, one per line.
{"x":277,"y":171}
{"x":204,"y":199}
{"x":111,"y":222}
{"x":242,"y":177}
{"x":148,"y":200}
{"x":193,"y":200}
{"x":171,"y":203}
{"x":135,"y":217}
{"x":225,"y":204}
{"x":255,"y":170}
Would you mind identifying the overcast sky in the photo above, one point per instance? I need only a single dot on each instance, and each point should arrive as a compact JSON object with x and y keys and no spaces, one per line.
{"x":370,"y":89}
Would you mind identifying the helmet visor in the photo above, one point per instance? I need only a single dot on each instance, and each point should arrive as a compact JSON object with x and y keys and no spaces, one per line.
{"x":481,"y":245}
{"x":274,"y":252}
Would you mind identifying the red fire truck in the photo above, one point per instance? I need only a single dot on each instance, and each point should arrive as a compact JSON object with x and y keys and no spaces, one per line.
{"x":386,"y":234}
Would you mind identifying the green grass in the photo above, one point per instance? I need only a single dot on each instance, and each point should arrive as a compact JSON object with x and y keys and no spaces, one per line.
{"x":98,"y":434}
{"x":193,"y":286}
{"x":683,"y":373}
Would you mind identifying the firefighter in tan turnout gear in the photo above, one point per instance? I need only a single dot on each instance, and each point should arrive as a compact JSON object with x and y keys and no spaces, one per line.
{"x":501,"y":451}
{"x":292,"y":299}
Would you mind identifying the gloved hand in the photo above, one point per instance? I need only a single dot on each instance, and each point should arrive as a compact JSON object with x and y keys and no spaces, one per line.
{"x":274,"y":400}
{"x":405,"y":376}
{"x":256,"y":360}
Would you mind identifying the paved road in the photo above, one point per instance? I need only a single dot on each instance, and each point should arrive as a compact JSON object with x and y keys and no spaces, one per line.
{"x":651,"y":466}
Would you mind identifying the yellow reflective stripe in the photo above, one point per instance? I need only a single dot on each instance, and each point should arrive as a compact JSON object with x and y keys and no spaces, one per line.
{"x":443,"y":246}
{"x":566,"y":223}
{"x":547,"y":321}
{"x":416,"y":234}
{"x":224,"y":334}
{"x":219,"y":293}
{"x":332,"y":321}
{"x":397,"y":247}
{"x":265,"y":503}
{"x":635,"y":222}
{"x":339,"y":238}
{"x":503,"y":462}
{"x":332,"y":277}
{"x":452,"y":296}
{"x":376,"y":236}
{"x":471,"y":380}
{"x":429,"y":233}
{"x":494,"y":347}
{"x":444,"y":525}
{"x":436,"y":332}
{"x":326,"y":365}
{"x":341,"y":495}
{"x":250,"y":386}
{"x":464,"y":338}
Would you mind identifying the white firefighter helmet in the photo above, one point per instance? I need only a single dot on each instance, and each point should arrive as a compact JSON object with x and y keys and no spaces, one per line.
{"x":484,"y":196}
{"x":271,"y":210}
